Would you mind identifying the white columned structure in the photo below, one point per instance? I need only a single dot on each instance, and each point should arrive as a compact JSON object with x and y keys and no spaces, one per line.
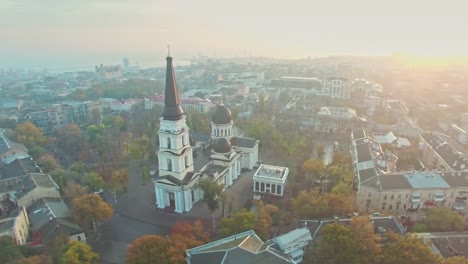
{"x":175,"y":156}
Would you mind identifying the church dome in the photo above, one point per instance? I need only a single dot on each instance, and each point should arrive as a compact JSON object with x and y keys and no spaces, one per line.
{"x":222,"y":145}
{"x":221,"y":115}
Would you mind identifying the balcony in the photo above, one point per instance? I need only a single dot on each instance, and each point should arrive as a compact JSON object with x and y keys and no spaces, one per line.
{"x":439,"y":197}
{"x":416,"y":197}
{"x":459,"y":205}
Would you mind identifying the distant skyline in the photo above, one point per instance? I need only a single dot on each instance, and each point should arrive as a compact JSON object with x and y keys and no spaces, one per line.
{"x":67,"y":34}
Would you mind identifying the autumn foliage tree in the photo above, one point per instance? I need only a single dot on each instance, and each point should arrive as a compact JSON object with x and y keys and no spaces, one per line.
{"x":313,"y":205}
{"x":409,"y":249}
{"x":29,"y":134}
{"x":91,"y":207}
{"x":79,"y":253}
{"x":264,"y":219}
{"x":191,"y":230}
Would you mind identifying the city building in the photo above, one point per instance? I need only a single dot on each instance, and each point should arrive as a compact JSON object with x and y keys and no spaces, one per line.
{"x":440,"y":152}
{"x":338,"y":88}
{"x":24,"y":190}
{"x":108,"y":72}
{"x":9,"y":149}
{"x":176,"y":183}
{"x":308,"y":113}
{"x":50,"y":217}
{"x":312,"y":85}
{"x":447,"y":244}
{"x":269,"y":179}
{"x":202,"y":105}
{"x":247,"y":247}
{"x":15,"y":225}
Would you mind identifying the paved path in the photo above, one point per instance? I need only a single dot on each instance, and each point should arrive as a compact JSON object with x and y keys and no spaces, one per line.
{"x":136,"y":213}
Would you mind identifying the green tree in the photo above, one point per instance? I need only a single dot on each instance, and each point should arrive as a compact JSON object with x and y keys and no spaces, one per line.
{"x":342,"y":189}
{"x":211,"y":195}
{"x":60,"y":177}
{"x":238,"y":222}
{"x":140,"y":148}
{"x":93,"y":181}
{"x":442,"y":219}
{"x":95,"y":132}
{"x":336,"y":244}
{"x":79,"y":253}
{"x":453,"y":260}
{"x":9,"y":252}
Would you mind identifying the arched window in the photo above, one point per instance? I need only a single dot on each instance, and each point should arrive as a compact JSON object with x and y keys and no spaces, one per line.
{"x":186,"y":161}
{"x":169,"y":164}
{"x":168,"y":142}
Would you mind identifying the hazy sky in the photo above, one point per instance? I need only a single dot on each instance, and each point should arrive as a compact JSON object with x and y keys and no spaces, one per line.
{"x":65,"y":33}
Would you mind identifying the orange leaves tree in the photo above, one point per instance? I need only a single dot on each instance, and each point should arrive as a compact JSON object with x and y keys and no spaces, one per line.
{"x":91,"y":207}
{"x":171,"y":249}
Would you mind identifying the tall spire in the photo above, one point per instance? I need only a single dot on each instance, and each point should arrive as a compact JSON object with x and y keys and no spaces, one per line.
{"x":172,"y":109}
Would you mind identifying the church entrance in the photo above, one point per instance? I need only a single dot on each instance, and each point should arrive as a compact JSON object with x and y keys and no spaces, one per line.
{"x":171,"y":200}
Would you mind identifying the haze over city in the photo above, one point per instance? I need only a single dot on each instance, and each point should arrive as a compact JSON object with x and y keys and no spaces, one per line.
{"x":67,"y":34}
{"x":214,"y":132}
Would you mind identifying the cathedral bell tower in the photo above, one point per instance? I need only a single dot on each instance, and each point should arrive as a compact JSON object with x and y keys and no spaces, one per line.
{"x":175,"y":153}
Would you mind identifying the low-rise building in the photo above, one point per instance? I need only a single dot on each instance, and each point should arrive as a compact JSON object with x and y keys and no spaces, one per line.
{"x":247,"y":247}
{"x":16,"y":226}
{"x":405,"y":194}
{"x":50,"y":217}
{"x":270,"y":179}
{"x":447,"y":244}
{"x":439,"y":152}
{"x":202,"y":105}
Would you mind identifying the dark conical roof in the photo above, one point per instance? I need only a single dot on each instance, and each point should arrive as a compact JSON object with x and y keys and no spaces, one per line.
{"x":222,"y":145}
{"x":172,"y":109}
{"x":221,"y":115}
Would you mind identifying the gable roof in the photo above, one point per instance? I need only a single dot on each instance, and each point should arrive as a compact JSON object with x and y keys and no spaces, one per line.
{"x":245,"y":248}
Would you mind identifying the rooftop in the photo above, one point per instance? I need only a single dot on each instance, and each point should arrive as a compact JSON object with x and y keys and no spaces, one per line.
{"x":271,"y":171}
{"x":6,"y":224}
{"x":426,"y":180}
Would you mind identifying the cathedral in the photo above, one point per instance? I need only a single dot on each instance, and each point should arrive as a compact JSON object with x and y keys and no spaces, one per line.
{"x":176,"y":184}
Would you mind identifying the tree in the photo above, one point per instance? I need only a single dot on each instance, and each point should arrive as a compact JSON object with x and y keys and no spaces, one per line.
{"x":29,"y":134}
{"x":140,"y":148}
{"x":264,"y":219}
{"x":409,"y":249}
{"x":41,"y":259}
{"x":238,"y":222}
{"x":79,"y":253}
{"x":336,"y":244}
{"x":48,"y":163}
{"x":89,"y":208}
{"x":60,"y":177}
{"x":70,"y":139}
{"x":119,"y":179}
{"x":8,"y":250}
{"x":342,"y":189}
{"x":365,"y":239}
{"x":313,"y":205}
{"x":95,"y":132}
{"x":211,"y":194}
{"x":147,"y":249}
{"x":55,"y":248}
{"x":79,"y":167}
{"x":72,"y":191}
{"x":195,"y":230}
{"x":93,"y":181}
{"x":443,"y":219}
{"x":453,"y":260}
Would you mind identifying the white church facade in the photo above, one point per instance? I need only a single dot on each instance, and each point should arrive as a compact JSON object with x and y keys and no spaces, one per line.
{"x":176,"y":185}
